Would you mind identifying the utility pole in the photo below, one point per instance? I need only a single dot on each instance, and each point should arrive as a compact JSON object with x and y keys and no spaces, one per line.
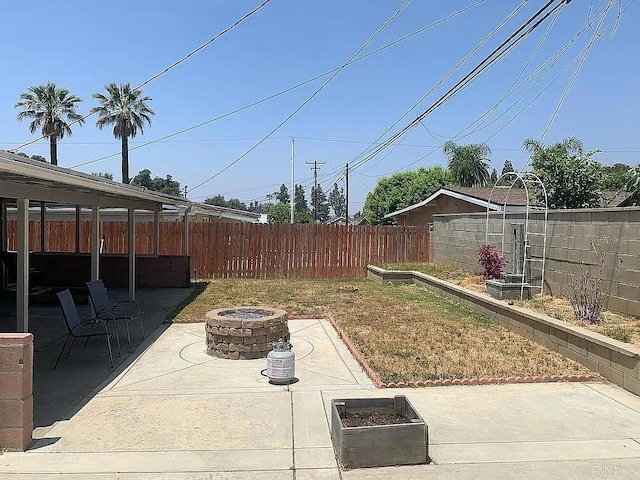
{"x":346,"y":201}
{"x":293,"y":182}
{"x":315,"y":169}
{"x":185,"y":192}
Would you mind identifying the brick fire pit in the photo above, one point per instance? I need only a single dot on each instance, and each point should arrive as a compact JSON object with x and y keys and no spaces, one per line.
{"x":244,"y":333}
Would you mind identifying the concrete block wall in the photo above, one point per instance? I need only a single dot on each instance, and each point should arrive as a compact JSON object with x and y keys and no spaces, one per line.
{"x":16,"y":391}
{"x":571,"y":235}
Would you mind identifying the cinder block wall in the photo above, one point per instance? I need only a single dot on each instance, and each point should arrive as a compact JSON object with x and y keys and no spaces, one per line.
{"x":16,"y":391}
{"x":570,"y":234}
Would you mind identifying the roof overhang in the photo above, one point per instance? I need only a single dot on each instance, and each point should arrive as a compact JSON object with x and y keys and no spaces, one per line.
{"x":457,"y":195}
{"x":21,"y":177}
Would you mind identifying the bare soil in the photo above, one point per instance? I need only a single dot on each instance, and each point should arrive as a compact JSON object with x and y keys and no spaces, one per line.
{"x":370,"y":419}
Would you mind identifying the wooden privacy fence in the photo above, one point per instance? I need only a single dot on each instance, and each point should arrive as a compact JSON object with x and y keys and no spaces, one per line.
{"x":221,"y":250}
{"x":300,"y":251}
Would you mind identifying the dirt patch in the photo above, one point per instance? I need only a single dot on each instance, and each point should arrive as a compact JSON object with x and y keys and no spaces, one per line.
{"x":370,"y":419}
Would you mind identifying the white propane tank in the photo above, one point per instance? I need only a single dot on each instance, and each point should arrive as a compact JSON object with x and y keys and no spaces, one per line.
{"x":281,"y":363}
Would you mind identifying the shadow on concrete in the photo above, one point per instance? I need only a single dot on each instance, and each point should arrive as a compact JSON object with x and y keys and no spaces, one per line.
{"x":57,"y":394}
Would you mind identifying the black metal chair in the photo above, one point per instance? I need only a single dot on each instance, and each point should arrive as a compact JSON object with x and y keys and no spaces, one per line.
{"x":91,"y":326}
{"x":126,"y":310}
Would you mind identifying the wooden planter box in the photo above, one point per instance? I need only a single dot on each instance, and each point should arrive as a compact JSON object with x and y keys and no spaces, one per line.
{"x":379,"y":445}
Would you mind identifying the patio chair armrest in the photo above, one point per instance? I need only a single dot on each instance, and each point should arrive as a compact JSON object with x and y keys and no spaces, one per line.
{"x":125,"y":302}
{"x":93,"y":320}
{"x":109,"y":310}
{"x":95,"y":317}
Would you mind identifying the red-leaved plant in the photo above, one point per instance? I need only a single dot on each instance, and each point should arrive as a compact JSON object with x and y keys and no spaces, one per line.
{"x":490,"y":261}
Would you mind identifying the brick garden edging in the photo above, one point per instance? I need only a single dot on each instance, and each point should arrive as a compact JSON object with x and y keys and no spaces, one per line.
{"x":618,"y":362}
{"x":375,"y":378}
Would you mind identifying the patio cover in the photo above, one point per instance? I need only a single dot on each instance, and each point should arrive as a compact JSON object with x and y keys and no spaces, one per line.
{"x":25,"y":180}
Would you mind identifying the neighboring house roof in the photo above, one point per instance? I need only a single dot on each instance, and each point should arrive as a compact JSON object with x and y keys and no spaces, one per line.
{"x":336,"y":220}
{"x":515,"y":199}
{"x":224,"y":212}
{"x":478,"y":196}
{"x":615,"y":199}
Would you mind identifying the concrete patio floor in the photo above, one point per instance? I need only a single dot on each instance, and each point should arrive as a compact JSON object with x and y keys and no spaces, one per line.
{"x":177,"y":413}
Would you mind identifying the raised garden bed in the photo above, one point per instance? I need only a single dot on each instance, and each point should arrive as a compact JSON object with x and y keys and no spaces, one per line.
{"x":378,"y":432}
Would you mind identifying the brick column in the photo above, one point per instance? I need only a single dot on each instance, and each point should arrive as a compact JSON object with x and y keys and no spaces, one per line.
{"x":16,"y":391}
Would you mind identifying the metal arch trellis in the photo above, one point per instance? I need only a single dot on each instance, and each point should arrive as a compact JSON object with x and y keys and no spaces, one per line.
{"x":529,"y":182}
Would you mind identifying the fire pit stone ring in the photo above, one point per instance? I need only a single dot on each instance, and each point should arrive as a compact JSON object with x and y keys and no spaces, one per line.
{"x":244,"y":333}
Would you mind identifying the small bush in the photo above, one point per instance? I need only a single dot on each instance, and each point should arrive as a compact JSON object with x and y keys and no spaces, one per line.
{"x":588,"y":289}
{"x":491,"y":261}
{"x":617,"y":332}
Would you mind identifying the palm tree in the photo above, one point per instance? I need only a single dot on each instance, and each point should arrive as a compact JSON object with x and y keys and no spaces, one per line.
{"x":53,"y":110}
{"x":128,"y":111}
{"x":469,"y":164}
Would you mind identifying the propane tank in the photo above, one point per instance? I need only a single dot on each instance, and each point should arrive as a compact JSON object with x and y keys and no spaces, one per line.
{"x":281,"y":363}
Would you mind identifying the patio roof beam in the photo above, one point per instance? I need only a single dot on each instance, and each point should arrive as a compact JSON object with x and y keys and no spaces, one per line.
{"x":60,"y":195}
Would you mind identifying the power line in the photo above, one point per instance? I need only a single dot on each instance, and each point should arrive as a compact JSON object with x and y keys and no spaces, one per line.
{"x":313,"y":95}
{"x":287,"y":90}
{"x":497,"y":54}
{"x":170,"y":67}
{"x":447,"y":75}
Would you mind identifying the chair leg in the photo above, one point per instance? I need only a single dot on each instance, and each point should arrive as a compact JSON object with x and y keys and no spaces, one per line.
{"x":108,"y":337}
{"x":70,"y":347}
{"x":61,"y":352}
{"x":126,"y":327}
{"x":115,"y":329}
{"x":141,"y":327}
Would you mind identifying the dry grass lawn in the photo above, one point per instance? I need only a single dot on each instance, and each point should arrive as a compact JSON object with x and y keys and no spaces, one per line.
{"x":404,"y":332}
{"x":621,"y":327}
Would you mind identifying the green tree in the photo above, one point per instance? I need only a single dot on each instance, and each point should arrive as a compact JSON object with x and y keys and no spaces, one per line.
{"x":319,"y":204}
{"x":166,"y":185}
{"x":52,"y":110}
{"x":300,"y":204}
{"x":570,"y":175}
{"x":337,"y":201}
{"x":507,"y":167}
{"x":282,"y":195}
{"x":632,"y":185}
{"x":302,"y":217}
{"x":216,"y":200}
{"x":234,"y":203}
{"x":468,"y":164}
{"x":128,"y":111}
{"x":614,"y":177}
{"x":401,"y":190}
{"x":494,"y":176}
{"x":107,"y":175}
{"x":279,"y":212}
{"x":255,"y":207}
{"x":39,"y":158}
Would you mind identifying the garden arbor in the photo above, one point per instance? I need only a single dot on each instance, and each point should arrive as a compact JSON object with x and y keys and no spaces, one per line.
{"x":536,"y":201}
{"x":29,"y":182}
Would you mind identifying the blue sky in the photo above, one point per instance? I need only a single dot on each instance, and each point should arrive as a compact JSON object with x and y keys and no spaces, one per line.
{"x":83,"y":45}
